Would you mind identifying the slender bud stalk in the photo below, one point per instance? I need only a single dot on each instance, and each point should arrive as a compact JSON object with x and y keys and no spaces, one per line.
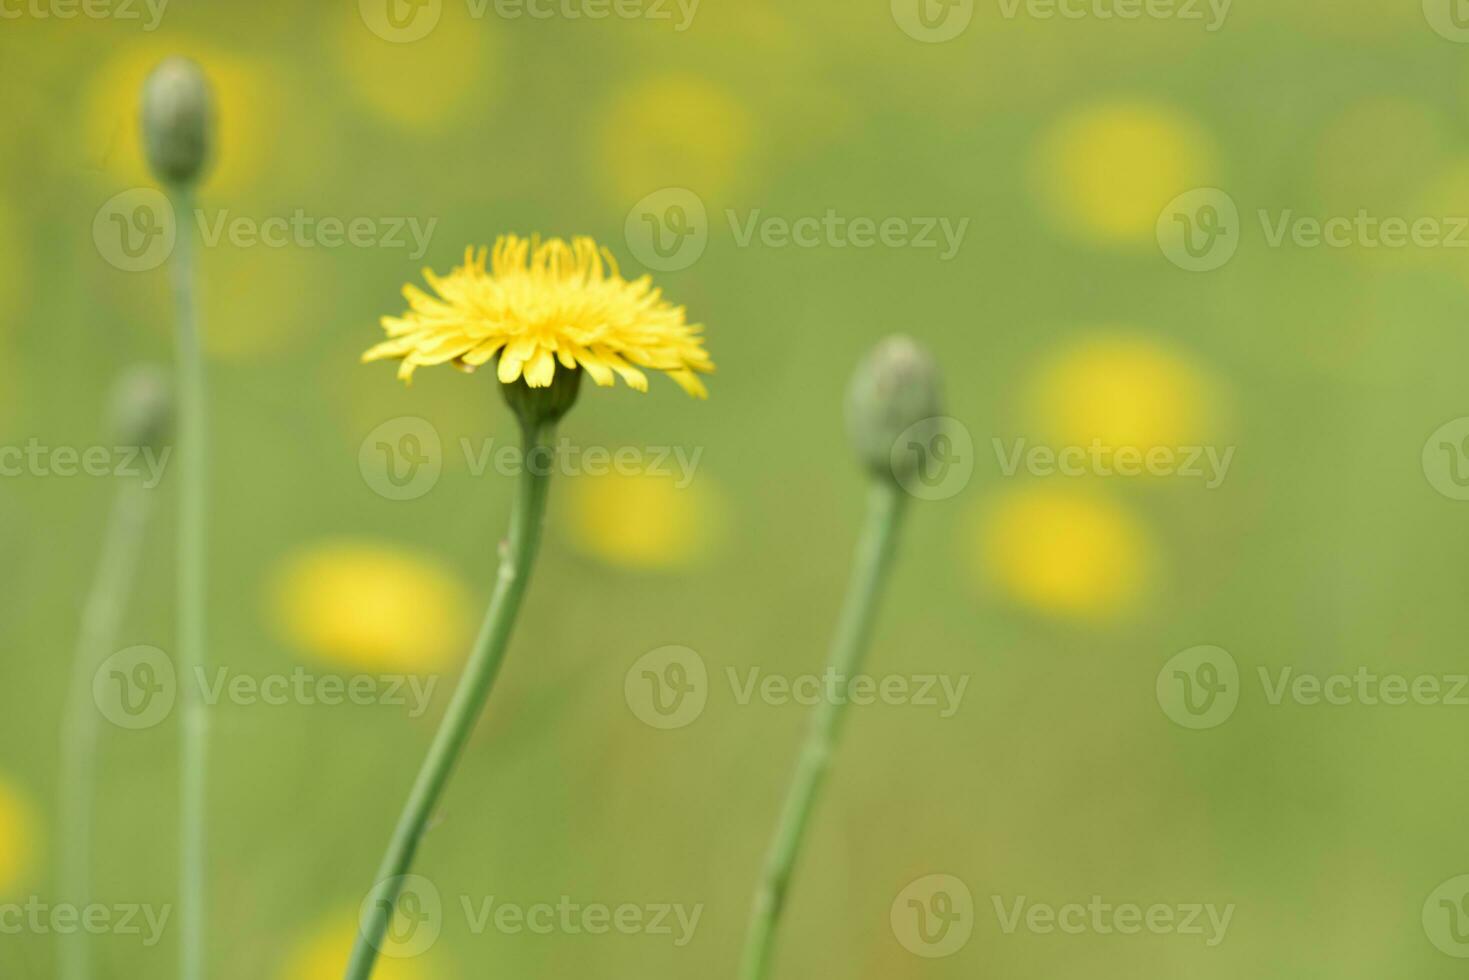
{"x":178,"y":127}
{"x":895,"y":388}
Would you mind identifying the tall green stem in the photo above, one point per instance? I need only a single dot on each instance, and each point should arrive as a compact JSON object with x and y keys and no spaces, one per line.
{"x":100,"y":619}
{"x":854,"y":628}
{"x":194,"y":727}
{"x":517,"y":555}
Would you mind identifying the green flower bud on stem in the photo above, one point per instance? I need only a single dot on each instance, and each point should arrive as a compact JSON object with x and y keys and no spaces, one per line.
{"x":141,"y":410}
{"x":895,"y":388}
{"x":543,"y":406}
{"x":178,"y":121}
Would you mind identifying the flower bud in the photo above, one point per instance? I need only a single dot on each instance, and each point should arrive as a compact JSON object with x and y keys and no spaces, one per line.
{"x":895,"y":388}
{"x":141,"y":410}
{"x":178,"y":120}
{"x":539,"y":406}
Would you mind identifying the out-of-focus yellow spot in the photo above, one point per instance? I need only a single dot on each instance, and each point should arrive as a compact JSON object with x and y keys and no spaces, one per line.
{"x":424,"y":83}
{"x":1122,"y":391}
{"x":1376,"y":155}
{"x":1105,"y":172}
{"x":238,"y":279}
{"x":645,"y":521}
{"x":369,"y":605}
{"x":17,"y":838}
{"x":1064,"y":552}
{"x":245,"y":94}
{"x":323,"y":955}
{"x":674,"y":131}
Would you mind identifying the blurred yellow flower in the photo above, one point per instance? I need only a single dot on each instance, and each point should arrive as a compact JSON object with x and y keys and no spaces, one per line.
{"x":1105,"y":172}
{"x":540,"y":304}
{"x":425,"y":83}
{"x":1064,"y":552}
{"x":17,"y":838}
{"x":323,"y":956}
{"x":238,"y":278}
{"x":674,"y":131}
{"x":1122,"y":390}
{"x":645,"y":521}
{"x":244,"y":92}
{"x":369,"y":605}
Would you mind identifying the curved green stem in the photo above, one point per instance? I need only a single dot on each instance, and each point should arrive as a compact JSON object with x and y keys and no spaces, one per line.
{"x":194,"y":727}
{"x":517,"y":555}
{"x":99,"y":625}
{"x":874,"y":557}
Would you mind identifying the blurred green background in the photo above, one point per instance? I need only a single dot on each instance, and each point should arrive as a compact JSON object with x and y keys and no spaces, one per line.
{"x":1325,"y":549}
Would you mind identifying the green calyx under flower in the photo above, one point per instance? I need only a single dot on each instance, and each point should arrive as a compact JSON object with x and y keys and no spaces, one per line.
{"x":544,"y":405}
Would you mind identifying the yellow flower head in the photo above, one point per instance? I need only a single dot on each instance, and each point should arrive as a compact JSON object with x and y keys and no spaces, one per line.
{"x":540,"y":304}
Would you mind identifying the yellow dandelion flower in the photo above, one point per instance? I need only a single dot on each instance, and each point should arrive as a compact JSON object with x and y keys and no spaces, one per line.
{"x":674,"y":130}
{"x":541,"y":304}
{"x":368,"y":605}
{"x":17,"y":838}
{"x":1122,"y":390}
{"x":323,"y":956}
{"x":644,"y":521}
{"x":1064,"y":552}
{"x":1106,"y":171}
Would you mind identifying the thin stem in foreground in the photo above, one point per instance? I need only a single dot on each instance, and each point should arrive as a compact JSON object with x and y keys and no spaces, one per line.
{"x":100,"y":619}
{"x":194,"y":726}
{"x":874,"y":556}
{"x":517,"y":555}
